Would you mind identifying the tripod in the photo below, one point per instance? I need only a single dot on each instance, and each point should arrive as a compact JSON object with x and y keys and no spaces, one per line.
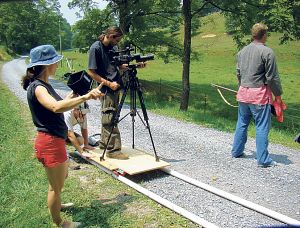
{"x":133,"y":86}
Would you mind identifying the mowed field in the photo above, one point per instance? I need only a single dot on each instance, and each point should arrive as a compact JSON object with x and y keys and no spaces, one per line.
{"x":216,"y":64}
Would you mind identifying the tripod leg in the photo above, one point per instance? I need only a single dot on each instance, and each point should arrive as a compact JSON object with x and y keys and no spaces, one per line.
{"x":140,"y":95}
{"x":132,"y":110}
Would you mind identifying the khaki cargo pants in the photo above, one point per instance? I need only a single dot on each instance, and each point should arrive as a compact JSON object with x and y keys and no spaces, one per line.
{"x":110,"y":104}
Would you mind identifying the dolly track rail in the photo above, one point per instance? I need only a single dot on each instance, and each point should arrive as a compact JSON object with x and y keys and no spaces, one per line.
{"x":248,"y":204}
{"x":263,"y":210}
{"x":153,"y":196}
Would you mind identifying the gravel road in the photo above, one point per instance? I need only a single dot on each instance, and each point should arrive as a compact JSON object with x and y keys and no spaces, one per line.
{"x":203,"y":154}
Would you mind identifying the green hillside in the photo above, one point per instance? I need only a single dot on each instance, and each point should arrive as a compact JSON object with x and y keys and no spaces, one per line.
{"x":217,"y":65}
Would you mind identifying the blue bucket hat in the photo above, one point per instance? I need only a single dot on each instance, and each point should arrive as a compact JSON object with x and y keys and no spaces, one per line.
{"x":43,"y":55}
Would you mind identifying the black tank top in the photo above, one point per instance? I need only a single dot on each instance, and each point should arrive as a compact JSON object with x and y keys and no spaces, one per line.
{"x":44,"y":119}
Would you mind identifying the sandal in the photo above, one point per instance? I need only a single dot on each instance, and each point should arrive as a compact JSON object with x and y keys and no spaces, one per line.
{"x":66,"y":205}
{"x":68,"y":224}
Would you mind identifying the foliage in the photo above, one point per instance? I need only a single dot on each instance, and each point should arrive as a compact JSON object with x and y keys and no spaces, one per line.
{"x":4,"y":56}
{"x":280,"y":15}
{"x":31,"y":23}
{"x":150,"y":26}
{"x":87,"y":30}
{"x":83,"y":5}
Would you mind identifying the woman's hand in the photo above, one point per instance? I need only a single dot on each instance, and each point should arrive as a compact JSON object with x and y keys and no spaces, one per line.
{"x":95,"y":93}
{"x":71,"y":95}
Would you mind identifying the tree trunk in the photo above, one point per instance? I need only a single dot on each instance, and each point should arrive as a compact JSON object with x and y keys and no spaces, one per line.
{"x":124,"y":17}
{"x":186,"y":10}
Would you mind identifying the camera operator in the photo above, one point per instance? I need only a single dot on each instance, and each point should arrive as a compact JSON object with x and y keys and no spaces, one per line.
{"x":102,"y":70}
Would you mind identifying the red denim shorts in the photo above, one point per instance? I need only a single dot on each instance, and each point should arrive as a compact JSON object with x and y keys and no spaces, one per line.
{"x":50,"y":150}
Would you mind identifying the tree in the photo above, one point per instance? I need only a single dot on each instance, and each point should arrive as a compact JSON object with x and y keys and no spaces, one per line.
{"x":280,"y":15}
{"x":188,"y":14}
{"x":154,"y":25}
{"x":187,"y":18}
{"x":145,"y":24}
{"x":20,"y":30}
{"x":86,"y":31}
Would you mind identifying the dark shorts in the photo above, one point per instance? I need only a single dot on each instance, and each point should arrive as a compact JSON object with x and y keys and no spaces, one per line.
{"x":50,"y":150}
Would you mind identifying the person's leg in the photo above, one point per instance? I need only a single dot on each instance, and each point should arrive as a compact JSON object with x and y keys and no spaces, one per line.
{"x":109,"y":106}
{"x":56,"y":177}
{"x":262,"y":117}
{"x":85,"y":138}
{"x":240,"y":136}
{"x":79,"y":138}
{"x":76,"y":140}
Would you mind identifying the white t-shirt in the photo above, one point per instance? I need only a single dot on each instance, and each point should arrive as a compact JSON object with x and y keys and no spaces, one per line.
{"x":71,"y":121}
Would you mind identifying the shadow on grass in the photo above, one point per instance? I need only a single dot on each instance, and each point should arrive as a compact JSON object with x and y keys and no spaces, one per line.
{"x":102,"y":212}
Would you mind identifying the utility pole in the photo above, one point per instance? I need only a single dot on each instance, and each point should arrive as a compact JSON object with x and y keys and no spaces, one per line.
{"x":59,"y":40}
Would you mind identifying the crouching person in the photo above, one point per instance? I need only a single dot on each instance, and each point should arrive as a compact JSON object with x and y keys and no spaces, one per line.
{"x":78,"y":116}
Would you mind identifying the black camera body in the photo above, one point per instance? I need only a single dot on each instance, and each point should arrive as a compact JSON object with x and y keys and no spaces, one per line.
{"x":119,"y":58}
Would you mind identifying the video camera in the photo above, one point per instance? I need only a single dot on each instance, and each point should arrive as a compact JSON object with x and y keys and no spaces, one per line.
{"x":126,"y":58}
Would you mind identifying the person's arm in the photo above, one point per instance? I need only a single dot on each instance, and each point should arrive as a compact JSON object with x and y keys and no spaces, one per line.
{"x":95,"y":54}
{"x":273,"y":81}
{"x":53,"y":105}
{"x":73,"y":139}
{"x":271,"y":74}
{"x":238,"y":70}
{"x":98,"y":78}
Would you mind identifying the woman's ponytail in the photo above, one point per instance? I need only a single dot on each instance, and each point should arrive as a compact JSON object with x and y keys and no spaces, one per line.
{"x":31,"y":74}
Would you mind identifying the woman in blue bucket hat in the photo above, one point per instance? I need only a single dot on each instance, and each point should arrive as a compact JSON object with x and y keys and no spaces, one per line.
{"x":47,"y":109}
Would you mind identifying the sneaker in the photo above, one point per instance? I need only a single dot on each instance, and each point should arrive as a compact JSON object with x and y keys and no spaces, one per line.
{"x":272,"y":164}
{"x":117,"y":155}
